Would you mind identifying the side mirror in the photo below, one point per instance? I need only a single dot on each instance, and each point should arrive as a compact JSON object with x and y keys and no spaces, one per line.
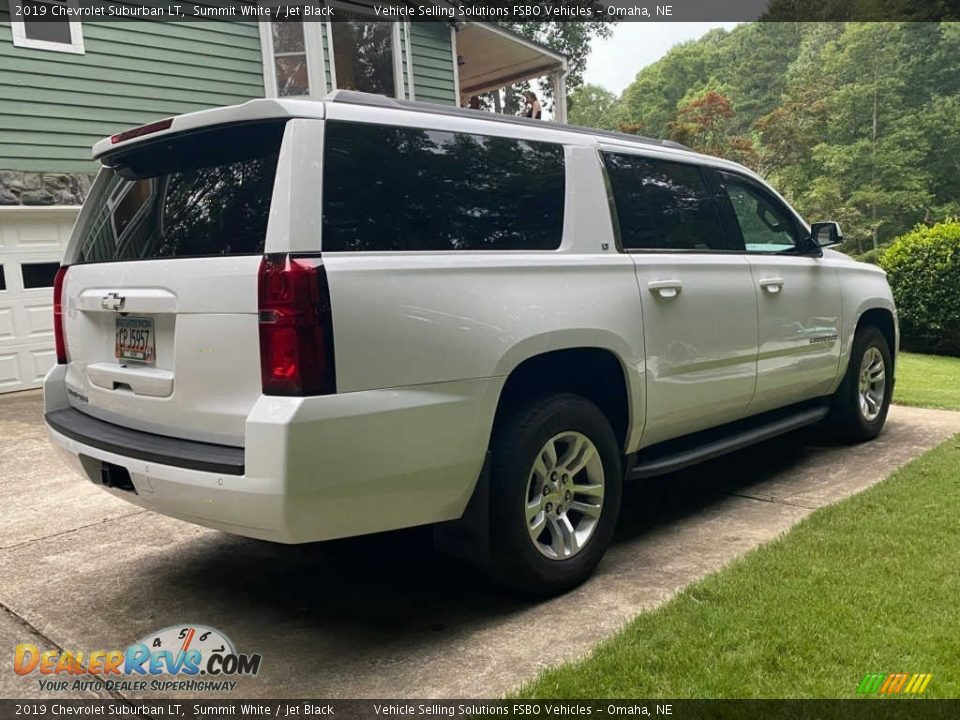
{"x":825,"y":234}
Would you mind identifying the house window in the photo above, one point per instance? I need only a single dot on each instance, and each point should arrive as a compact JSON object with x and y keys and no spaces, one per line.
{"x":36,"y":24}
{"x":363,"y":54}
{"x":350,"y":52}
{"x":290,"y":58}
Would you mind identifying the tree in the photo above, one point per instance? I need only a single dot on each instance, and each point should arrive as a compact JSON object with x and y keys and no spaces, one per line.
{"x":705,"y":123}
{"x":855,"y":122}
{"x":593,"y":106}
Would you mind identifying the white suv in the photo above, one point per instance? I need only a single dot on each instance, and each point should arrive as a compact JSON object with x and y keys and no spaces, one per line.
{"x":303,"y":320}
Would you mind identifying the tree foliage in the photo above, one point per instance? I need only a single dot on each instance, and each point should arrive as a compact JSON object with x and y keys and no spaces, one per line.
{"x":854,"y":122}
{"x":592,"y":106}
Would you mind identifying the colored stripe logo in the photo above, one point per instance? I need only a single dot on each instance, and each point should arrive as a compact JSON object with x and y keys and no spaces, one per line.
{"x":894,"y":683}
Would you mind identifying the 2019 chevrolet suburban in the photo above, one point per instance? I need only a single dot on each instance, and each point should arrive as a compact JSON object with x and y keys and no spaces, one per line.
{"x":303,"y":320}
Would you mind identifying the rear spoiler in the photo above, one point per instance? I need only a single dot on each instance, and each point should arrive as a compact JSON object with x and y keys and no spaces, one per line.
{"x":250,"y":111}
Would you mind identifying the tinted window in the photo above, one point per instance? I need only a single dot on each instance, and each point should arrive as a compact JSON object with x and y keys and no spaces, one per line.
{"x":392,"y":188}
{"x":766,"y":226}
{"x":38,"y":275}
{"x":207,"y":193}
{"x":3,"y":279}
{"x":662,"y":205}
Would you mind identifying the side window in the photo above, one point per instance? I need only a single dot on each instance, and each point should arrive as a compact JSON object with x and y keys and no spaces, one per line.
{"x":397,"y":188}
{"x":662,"y":205}
{"x":766,"y":226}
{"x":3,"y":279}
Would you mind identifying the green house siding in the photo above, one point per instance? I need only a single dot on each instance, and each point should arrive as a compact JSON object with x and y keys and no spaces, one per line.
{"x":56,"y":105}
{"x":433,"y":71}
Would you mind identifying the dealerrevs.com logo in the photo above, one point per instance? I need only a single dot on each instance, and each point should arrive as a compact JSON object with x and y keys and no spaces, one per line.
{"x":185,"y":657}
{"x":894,"y":683}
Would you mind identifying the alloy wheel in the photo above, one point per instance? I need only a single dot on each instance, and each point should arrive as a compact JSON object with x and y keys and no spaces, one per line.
{"x":564,"y":497}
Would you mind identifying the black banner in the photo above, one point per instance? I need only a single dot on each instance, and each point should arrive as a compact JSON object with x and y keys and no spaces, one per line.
{"x":866,"y":709}
{"x":493,"y":10}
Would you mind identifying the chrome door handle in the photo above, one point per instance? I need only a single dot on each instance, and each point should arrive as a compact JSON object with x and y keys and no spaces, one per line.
{"x":772,"y":285}
{"x":665,"y":288}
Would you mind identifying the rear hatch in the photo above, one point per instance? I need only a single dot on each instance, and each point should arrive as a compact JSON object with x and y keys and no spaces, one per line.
{"x":160,"y":299}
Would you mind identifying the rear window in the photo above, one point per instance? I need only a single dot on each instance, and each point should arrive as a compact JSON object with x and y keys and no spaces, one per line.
{"x":398,"y":188}
{"x":206,"y":193}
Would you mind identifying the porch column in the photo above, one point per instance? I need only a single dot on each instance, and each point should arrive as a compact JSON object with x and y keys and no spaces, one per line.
{"x":559,"y":80}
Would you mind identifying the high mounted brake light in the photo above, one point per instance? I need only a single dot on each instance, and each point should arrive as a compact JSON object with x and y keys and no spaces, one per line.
{"x":296,"y":327}
{"x":141,"y":131}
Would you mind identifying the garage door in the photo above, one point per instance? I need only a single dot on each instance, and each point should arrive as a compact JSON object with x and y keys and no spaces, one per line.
{"x":32,"y":241}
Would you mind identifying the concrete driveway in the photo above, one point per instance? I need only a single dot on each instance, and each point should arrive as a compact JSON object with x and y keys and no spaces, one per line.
{"x":383,"y":616}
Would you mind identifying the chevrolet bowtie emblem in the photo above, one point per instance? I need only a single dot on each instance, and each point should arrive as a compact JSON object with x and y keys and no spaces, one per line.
{"x":112,"y":301}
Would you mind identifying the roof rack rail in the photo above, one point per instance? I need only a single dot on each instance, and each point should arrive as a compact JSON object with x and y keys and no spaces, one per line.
{"x":353,"y":97}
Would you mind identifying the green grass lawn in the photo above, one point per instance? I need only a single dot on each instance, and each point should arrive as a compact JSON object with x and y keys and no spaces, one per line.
{"x":928,"y":381}
{"x":871,"y":584}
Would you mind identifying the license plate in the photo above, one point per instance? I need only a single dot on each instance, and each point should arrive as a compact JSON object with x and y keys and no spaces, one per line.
{"x":135,"y":339}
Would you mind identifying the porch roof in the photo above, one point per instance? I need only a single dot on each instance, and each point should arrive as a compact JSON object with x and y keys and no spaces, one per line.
{"x":491,"y":57}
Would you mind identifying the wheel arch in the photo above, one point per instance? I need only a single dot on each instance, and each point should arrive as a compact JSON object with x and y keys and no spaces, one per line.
{"x":535,"y":374}
{"x":878,"y":312}
{"x":597,"y":373}
{"x":883,"y":319}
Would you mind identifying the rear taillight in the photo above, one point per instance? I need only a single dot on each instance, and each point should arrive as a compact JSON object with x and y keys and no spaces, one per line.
{"x":59,"y":338}
{"x":296,"y":327}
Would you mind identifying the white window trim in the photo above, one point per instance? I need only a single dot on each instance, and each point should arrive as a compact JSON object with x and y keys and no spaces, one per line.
{"x":20,"y":39}
{"x":399,"y":86}
{"x":456,"y":65}
{"x":266,"y":56}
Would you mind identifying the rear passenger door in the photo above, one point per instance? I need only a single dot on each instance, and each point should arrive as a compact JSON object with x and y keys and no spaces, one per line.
{"x":698,"y":299}
{"x":799,"y":298}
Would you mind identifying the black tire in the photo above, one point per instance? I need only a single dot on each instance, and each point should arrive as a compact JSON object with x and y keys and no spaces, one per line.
{"x":517,"y":441}
{"x":847,"y":420}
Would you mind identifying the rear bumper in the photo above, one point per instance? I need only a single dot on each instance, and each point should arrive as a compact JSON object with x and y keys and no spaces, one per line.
{"x":312,"y":468}
{"x":138,"y":445}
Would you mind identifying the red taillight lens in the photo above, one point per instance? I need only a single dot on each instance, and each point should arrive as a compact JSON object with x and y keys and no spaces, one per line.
{"x":59,"y":339}
{"x":296,"y":327}
{"x":141,"y":131}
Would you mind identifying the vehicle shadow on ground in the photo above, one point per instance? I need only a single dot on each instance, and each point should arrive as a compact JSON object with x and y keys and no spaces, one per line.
{"x":396,"y":585}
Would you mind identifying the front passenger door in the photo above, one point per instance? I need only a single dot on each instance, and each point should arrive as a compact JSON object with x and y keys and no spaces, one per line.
{"x":697,"y":297}
{"x":798,"y":294}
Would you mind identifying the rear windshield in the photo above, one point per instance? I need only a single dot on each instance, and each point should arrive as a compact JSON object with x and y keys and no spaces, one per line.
{"x":206,"y":193}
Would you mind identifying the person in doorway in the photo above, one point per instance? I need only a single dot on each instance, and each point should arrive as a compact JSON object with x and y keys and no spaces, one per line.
{"x":532,"y":109}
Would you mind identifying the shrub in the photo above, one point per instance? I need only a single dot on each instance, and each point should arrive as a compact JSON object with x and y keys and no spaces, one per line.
{"x":871,"y":256}
{"x":923,"y":267}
